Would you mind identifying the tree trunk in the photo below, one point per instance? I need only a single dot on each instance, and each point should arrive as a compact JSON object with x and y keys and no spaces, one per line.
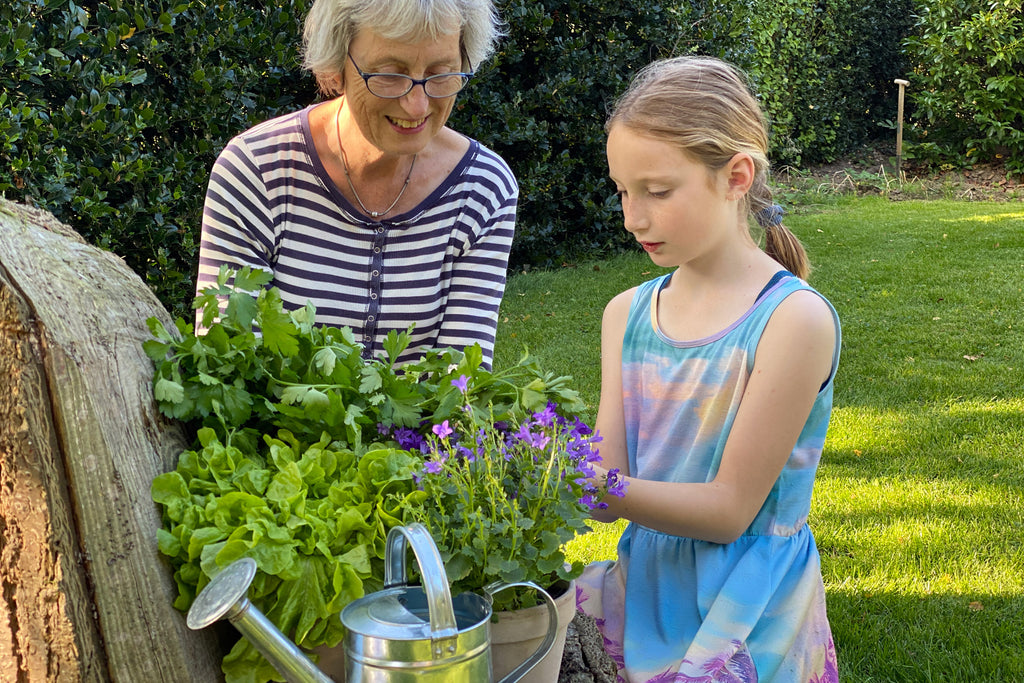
{"x":84,"y":593}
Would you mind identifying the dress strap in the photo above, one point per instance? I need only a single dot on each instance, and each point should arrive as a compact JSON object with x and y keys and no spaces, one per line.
{"x":776,"y":278}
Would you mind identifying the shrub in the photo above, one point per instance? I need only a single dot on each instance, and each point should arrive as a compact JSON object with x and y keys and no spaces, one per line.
{"x":542,"y":102}
{"x":967,"y":86}
{"x":824,"y":69}
{"x":112,"y":113}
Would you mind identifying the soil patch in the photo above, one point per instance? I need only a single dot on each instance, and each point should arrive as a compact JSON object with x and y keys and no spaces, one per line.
{"x":872,"y":170}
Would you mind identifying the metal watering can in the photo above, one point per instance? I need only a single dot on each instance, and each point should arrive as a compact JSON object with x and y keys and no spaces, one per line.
{"x":401,"y":634}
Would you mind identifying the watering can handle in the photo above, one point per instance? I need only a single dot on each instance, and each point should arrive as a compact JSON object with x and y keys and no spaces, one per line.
{"x":549,"y":639}
{"x":443,"y":628}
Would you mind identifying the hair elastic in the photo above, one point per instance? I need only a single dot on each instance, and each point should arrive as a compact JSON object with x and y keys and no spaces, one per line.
{"x":770,"y":216}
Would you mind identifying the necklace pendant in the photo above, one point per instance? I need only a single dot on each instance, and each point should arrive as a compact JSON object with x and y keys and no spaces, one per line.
{"x":375,"y":214}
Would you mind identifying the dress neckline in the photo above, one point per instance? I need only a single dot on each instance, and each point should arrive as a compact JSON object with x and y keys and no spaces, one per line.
{"x":773,"y":283}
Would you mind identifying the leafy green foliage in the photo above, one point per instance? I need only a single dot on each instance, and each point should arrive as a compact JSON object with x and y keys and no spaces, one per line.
{"x":541,"y":103}
{"x":313,"y":516}
{"x":112,"y":113}
{"x":968,"y":87}
{"x":291,"y":465}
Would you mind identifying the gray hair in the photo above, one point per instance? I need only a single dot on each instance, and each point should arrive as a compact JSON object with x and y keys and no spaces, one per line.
{"x":332,"y":24}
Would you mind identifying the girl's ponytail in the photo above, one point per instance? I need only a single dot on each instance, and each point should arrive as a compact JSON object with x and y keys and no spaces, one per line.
{"x":779,"y":243}
{"x":782,"y":245}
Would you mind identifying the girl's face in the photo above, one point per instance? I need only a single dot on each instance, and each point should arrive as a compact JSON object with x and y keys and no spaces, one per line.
{"x":676,"y":208}
{"x":407,"y":124}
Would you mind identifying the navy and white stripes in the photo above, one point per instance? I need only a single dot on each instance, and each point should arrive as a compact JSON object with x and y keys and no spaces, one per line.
{"x":270,"y":204}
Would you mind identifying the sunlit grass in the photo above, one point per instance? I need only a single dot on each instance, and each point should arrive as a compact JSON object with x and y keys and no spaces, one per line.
{"x":919,"y":504}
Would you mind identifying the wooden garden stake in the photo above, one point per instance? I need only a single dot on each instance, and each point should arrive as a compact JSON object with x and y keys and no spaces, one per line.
{"x":899,"y":128}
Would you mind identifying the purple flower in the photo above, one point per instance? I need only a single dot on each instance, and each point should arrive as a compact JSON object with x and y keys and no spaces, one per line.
{"x":466,"y":453}
{"x":580,"y":427}
{"x":383,"y":429}
{"x":462,"y":383}
{"x":616,"y":483}
{"x":442,"y":430}
{"x":409,"y":439}
{"x":546,"y":417}
{"x":433,"y":466}
{"x":538,"y":441}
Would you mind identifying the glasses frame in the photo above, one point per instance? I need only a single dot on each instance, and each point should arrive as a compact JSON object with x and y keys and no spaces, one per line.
{"x":413,"y":82}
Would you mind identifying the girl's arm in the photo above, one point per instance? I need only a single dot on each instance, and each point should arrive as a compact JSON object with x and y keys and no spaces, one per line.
{"x":794,"y":357}
{"x":610,"y":424}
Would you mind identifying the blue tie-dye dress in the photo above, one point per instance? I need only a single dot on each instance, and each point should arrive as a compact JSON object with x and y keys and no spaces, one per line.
{"x":677,"y":609}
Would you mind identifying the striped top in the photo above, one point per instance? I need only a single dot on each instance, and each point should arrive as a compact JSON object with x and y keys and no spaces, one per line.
{"x":441,"y":267}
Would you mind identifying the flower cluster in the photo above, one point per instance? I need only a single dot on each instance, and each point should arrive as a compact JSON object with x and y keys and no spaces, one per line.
{"x":503,"y":498}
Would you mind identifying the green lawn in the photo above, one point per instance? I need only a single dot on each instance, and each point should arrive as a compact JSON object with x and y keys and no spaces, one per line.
{"x":918,"y":511}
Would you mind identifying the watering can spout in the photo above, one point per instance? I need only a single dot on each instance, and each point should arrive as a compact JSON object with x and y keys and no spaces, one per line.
{"x":225,"y":598}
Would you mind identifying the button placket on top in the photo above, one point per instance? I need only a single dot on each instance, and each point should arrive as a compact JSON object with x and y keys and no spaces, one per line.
{"x":373,"y":305}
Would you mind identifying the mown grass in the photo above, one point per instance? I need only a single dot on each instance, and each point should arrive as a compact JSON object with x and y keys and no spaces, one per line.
{"x":918,"y":509}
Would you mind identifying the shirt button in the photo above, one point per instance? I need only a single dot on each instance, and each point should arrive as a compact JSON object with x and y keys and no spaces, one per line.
{"x":376,"y":250}
{"x":370,"y":319}
{"x":375,"y":273}
{"x":373,"y":295}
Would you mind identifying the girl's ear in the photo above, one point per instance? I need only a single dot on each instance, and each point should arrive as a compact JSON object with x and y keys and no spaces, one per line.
{"x":740,"y":172}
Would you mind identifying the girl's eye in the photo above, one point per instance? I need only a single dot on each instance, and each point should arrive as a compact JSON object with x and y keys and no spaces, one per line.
{"x":659,"y":194}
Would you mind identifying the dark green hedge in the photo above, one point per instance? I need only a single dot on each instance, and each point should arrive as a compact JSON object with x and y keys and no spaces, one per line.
{"x":111,"y":113}
{"x":967,"y":92}
{"x":542,"y":103}
{"x":824,"y":70}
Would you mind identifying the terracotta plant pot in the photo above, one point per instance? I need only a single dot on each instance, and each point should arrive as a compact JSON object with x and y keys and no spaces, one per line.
{"x":516,"y":634}
{"x":332,"y":661}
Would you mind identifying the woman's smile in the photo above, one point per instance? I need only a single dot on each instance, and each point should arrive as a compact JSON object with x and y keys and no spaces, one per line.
{"x":406,"y":126}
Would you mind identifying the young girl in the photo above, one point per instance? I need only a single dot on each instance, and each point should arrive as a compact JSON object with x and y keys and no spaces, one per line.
{"x":715,"y":398}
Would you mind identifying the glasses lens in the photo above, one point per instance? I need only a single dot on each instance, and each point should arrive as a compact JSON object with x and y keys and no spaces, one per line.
{"x":445,"y":85}
{"x":389,"y":85}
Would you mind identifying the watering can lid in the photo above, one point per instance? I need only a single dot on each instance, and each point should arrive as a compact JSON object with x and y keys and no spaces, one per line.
{"x":388,"y":614}
{"x":402,"y":613}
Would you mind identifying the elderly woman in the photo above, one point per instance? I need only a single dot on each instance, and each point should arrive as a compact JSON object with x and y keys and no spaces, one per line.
{"x":367,"y":204}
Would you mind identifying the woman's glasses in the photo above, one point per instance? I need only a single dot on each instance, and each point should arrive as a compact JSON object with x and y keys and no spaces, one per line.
{"x":393,"y":86}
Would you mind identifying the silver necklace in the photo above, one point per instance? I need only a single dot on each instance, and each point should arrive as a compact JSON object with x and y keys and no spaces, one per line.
{"x":344,"y":164}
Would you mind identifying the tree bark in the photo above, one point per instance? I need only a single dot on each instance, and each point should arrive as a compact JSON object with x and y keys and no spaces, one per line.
{"x":84,"y":593}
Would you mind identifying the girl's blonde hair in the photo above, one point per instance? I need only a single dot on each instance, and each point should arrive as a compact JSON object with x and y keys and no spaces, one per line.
{"x":332,"y":24}
{"x":705,"y":107}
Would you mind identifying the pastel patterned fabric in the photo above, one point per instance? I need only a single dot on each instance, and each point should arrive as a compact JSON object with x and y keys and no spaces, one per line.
{"x":679,"y":609}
